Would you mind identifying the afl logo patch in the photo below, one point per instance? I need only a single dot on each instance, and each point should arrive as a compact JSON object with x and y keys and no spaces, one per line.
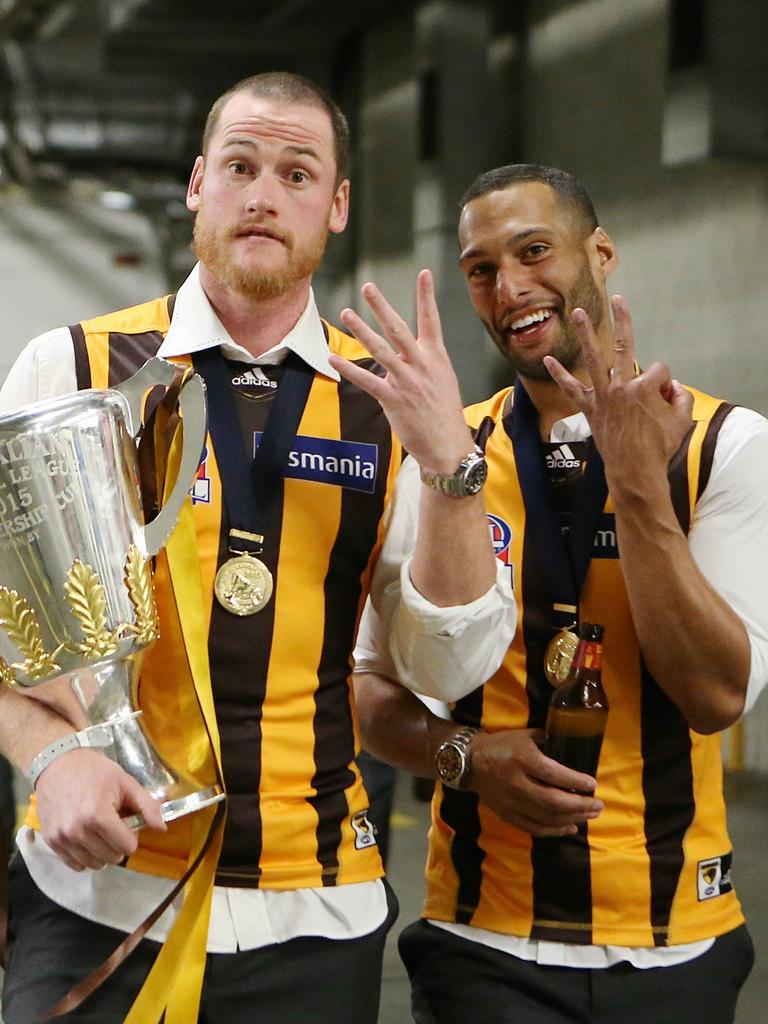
{"x":714,"y":877}
{"x":501,"y":537}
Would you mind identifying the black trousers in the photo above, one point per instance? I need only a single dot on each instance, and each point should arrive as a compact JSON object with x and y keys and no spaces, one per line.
{"x":304,"y":981}
{"x":7,"y":804}
{"x":455,"y":981}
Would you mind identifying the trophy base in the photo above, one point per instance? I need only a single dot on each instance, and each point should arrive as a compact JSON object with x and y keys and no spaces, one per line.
{"x":178,"y":807}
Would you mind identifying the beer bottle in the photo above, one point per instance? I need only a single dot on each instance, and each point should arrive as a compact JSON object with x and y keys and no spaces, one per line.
{"x":579,"y":708}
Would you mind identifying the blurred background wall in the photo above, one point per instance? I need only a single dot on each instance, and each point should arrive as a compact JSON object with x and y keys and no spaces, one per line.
{"x":660,"y":106}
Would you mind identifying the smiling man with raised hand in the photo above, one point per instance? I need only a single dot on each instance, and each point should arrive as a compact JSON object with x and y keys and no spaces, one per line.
{"x":618,"y":497}
{"x":299,"y":912}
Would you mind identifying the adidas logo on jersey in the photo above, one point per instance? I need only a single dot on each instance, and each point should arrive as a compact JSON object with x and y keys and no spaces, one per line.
{"x":562,"y":458}
{"x":254,"y":378}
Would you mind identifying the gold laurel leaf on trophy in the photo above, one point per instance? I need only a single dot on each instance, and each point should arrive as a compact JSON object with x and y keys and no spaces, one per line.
{"x":7,"y":673}
{"x":87,"y":600}
{"x":138,"y":578}
{"x":23,"y":629}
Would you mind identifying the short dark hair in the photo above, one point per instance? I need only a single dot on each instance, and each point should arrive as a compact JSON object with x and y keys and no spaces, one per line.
{"x":569,"y":190}
{"x":286,"y":87}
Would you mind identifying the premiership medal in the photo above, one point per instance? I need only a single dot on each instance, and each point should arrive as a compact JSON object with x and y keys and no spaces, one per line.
{"x":251,"y":489}
{"x":243,"y":585}
{"x":559,"y":657}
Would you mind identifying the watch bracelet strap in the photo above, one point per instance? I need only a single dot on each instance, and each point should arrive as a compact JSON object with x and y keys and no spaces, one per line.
{"x":464,"y":735}
{"x":447,"y":484}
{"x":98,"y":736}
{"x":462,"y":738}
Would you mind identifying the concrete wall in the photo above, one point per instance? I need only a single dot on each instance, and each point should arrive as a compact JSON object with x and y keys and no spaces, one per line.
{"x":693,"y":268}
{"x":65,"y":257}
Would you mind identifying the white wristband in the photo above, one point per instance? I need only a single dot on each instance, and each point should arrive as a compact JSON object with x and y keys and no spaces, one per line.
{"x":93,"y":736}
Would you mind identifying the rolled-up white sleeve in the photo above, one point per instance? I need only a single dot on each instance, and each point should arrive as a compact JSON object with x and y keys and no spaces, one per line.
{"x":44,"y":369}
{"x":441,"y":652}
{"x":729,"y":536}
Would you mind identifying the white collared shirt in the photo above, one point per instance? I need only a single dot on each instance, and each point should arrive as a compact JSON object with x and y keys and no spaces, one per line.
{"x":196,"y":327}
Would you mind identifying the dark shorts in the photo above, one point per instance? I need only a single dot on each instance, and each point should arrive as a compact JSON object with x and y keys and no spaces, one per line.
{"x":456,"y":981}
{"x":326,"y":981}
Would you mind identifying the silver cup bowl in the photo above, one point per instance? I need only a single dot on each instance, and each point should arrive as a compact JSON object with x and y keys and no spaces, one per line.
{"x":77,"y":607}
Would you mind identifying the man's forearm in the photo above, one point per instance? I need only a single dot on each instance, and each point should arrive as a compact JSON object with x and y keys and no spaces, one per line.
{"x":398,"y":727}
{"x":27,"y":725}
{"x":508,"y":771}
{"x":453,"y":561}
{"x":695,"y":646}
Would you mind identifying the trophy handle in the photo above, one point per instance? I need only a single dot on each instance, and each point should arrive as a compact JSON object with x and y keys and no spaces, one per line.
{"x":192,"y":405}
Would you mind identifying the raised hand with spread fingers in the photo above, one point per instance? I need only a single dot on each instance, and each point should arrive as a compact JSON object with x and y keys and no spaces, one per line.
{"x":419,"y":393}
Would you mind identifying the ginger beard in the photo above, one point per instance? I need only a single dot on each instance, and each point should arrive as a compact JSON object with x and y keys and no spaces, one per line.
{"x":216,"y":248}
{"x":567,"y":350}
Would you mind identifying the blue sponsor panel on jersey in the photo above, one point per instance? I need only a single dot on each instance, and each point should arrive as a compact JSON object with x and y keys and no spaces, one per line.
{"x":351,"y":464}
{"x":604,"y":545}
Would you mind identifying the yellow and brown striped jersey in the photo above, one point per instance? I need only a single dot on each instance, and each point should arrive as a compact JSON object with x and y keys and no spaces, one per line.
{"x":654,"y":868}
{"x":280,"y":678}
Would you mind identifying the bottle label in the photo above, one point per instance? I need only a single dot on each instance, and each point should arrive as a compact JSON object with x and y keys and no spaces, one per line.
{"x":588,"y":655}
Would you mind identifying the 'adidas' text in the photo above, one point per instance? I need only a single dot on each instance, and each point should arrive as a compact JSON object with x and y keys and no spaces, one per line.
{"x":255,"y":378}
{"x":562,"y":458}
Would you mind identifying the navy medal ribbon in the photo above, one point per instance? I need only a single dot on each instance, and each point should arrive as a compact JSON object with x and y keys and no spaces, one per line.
{"x":564,"y":559}
{"x":250,"y":486}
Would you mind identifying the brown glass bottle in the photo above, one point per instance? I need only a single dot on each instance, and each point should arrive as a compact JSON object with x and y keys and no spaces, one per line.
{"x":578,"y":710}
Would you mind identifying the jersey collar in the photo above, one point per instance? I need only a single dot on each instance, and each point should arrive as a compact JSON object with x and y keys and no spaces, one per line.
{"x":195,"y":327}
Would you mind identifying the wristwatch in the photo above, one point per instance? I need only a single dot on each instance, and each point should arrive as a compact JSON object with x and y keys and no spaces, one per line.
{"x":468,"y":478}
{"x":452,"y":760}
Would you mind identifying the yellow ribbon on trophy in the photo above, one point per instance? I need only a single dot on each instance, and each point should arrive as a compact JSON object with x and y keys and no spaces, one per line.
{"x":175,"y":981}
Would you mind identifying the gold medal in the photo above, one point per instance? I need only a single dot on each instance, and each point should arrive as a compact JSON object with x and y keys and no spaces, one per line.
{"x":559,"y":657}
{"x":243,"y":585}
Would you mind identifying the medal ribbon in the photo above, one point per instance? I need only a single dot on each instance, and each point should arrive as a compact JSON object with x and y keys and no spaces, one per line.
{"x":564,"y":559}
{"x":249,"y":485}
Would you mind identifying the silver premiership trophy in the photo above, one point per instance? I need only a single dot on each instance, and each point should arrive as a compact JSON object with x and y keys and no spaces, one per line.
{"x":77,"y":607}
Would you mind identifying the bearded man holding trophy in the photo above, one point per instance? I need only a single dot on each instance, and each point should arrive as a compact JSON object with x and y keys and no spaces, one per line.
{"x":163,"y":667}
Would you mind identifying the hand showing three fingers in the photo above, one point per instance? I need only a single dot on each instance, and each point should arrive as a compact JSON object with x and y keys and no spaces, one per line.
{"x":638,"y":421}
{"x":418,"y":391}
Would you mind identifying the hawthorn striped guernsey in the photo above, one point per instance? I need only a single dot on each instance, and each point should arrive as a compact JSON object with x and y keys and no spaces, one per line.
{"x":280,"y":679}
{"x":654,"y":868}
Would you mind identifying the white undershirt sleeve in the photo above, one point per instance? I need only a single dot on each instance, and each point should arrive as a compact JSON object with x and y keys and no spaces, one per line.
{"x":44,"y":369}
{"x":729,"y":536}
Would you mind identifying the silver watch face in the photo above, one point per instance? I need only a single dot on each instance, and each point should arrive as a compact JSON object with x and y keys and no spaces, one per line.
{"x":468,"y":478}
{"x":474,"y":478}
